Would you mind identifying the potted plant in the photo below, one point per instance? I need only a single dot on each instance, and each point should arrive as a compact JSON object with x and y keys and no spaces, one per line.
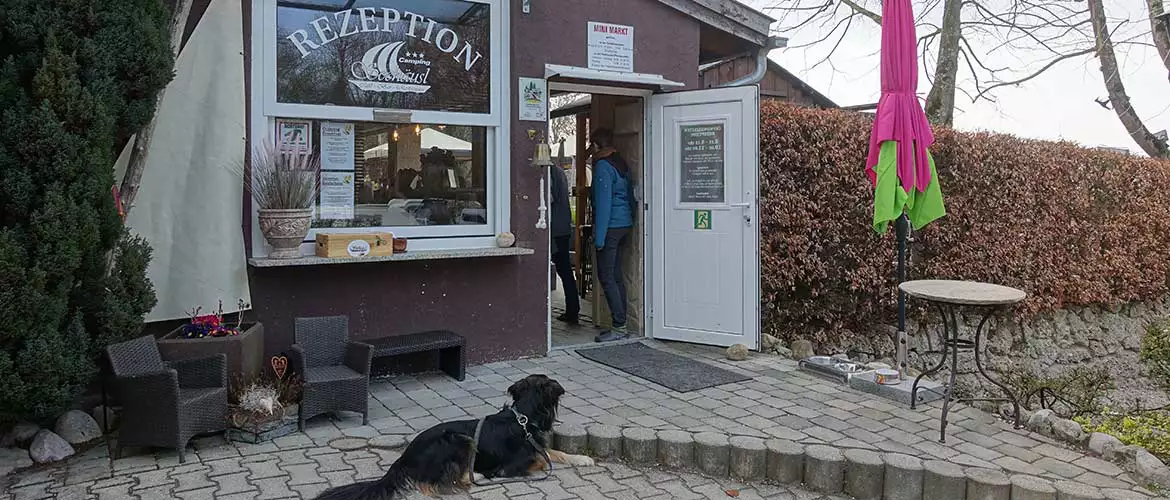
{"x":284,"y":187}
{"x":209,"y":334}
{"x":263,"y":408}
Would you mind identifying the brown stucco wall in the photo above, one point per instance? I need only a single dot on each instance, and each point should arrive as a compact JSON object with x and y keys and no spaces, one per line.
{"x":499,"y":304}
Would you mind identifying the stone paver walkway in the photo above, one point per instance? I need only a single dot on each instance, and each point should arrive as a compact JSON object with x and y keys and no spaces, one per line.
{"x":779,"y":402}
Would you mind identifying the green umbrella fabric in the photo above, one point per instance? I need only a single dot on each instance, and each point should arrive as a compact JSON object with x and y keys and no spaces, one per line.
{"x":921,"y":207}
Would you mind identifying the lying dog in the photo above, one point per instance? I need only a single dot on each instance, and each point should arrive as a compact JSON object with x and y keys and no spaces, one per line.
{"x":506,"y":448}
{"x":438,"y":459}
{"x":437,"y":465}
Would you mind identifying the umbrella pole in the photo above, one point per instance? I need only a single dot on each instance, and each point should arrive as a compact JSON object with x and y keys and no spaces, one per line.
{"x":902,"y":342}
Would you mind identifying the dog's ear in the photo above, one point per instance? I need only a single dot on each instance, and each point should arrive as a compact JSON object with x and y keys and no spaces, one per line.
{"x":516,"y":389}
{"x":553,"y":388}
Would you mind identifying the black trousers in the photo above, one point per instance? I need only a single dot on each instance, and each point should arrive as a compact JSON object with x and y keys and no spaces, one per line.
{"x":564,"y":266}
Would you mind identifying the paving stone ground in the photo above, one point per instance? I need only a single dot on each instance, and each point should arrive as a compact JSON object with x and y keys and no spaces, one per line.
{"x":779,"y":402}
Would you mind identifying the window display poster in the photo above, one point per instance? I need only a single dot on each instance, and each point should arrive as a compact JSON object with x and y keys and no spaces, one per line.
{"x":337,"y":140}
{"x":336,"y":195}
{"x":533,"y":99}
{"x":611,"y":47}
{"x":701,"y":158}
{"x":294,"y":136}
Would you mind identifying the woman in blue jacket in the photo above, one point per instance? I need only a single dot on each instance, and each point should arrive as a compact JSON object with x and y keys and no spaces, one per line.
{"x":613,"y":217}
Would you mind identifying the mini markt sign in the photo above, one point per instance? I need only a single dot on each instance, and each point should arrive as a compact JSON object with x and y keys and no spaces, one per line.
{"x":611,"y":47}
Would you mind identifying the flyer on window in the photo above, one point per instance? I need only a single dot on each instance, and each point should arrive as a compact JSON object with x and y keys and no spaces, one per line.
{"x":336,"y":195}
{"x":337,"y":140}
{"x":294,"y":136}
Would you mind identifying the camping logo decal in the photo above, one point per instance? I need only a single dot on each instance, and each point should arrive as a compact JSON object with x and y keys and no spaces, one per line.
{"x":386,"y":68}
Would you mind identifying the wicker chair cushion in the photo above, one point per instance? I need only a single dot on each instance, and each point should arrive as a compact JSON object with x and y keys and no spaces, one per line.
{"x":196,"y":397}
{"x":331,"y":374}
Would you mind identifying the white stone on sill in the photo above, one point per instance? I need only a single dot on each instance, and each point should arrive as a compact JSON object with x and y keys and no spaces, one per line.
{"x":462,"y":253}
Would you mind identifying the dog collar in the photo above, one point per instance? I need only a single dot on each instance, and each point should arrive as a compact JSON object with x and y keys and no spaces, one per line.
{"x":521,"y":419}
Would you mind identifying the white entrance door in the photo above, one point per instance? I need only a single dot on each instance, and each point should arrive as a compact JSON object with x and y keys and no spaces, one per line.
{"x":704,"y":221}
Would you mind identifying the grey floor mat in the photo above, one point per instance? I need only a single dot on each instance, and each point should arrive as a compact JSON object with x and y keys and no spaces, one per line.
{"x":672,"y":371}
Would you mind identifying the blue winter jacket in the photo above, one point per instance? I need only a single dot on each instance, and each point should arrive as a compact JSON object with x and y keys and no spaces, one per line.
{"x":612,"y":201}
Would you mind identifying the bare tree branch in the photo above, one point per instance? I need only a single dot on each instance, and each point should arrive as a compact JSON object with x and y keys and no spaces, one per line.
{"x":1160,"y":28}
{"x":1117,"y":96}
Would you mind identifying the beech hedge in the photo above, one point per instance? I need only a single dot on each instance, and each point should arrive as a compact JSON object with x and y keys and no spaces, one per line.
{"x":1067,"y":224}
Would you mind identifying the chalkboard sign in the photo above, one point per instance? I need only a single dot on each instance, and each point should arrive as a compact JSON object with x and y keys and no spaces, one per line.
{"x":701,"y":158}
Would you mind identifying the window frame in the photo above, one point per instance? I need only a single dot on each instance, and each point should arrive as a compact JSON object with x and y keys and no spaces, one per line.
{"x":265,"y":110}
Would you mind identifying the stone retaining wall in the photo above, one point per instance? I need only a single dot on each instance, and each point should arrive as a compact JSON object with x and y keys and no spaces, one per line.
{"x":1105,"y":339}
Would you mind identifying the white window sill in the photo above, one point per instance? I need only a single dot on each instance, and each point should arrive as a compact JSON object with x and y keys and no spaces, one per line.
{"x":462,"y":253}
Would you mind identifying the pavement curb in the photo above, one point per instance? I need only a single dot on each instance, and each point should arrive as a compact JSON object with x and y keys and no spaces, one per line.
{"x":862,"y":474}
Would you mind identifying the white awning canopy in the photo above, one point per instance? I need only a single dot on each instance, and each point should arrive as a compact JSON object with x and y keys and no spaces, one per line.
{"x":610,"y":77}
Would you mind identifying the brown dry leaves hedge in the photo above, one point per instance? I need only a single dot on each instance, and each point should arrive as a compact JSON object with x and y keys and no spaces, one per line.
{"x":1069,"y":225}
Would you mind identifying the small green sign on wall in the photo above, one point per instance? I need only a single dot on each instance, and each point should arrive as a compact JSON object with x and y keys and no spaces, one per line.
{"x":703,"y":220}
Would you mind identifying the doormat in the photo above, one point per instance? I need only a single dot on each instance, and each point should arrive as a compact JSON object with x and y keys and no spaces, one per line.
{"x":672,"y":371}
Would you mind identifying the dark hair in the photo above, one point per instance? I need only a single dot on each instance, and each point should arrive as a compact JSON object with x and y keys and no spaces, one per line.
{"x":602,"y":137}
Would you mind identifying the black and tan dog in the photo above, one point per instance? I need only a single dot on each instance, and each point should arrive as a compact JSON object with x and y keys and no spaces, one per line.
{"x":437,"y":460}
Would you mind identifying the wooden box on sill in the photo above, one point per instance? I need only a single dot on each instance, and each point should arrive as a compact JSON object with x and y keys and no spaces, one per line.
{"x":349,"y":245}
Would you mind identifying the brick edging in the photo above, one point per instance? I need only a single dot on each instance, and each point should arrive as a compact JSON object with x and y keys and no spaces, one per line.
{"x":862,"y":474}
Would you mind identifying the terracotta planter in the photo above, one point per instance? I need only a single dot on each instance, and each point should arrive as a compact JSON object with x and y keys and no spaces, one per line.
{"x":285,"y":230}
{"x":245,"y":352}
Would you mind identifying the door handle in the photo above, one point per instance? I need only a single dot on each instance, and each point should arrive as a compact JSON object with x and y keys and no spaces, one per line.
{"x":747,"y":214}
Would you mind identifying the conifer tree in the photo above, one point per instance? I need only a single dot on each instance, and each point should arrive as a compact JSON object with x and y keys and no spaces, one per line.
{"x":77,"y":79}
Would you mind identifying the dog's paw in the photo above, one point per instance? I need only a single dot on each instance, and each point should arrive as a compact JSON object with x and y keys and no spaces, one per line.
{"x":477,"y":477}
{"x":580,"y":461}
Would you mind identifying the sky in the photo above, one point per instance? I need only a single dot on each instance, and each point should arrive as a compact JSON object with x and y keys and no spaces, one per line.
{"x":1059,"y":104}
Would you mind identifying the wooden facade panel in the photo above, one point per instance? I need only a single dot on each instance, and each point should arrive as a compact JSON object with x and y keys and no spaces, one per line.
{"x":776,"y":84}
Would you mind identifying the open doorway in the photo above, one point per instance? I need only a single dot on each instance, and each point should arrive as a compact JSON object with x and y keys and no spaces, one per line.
{"x":573,"y":115}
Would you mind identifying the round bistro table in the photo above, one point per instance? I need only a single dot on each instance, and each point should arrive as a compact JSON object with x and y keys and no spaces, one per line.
{"x":948,"y":297}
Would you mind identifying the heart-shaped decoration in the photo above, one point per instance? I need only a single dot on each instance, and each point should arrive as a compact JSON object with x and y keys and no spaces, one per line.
{"x":279,"y":366}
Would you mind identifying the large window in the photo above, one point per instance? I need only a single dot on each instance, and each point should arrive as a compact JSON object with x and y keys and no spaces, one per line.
{"x":400,"y":100}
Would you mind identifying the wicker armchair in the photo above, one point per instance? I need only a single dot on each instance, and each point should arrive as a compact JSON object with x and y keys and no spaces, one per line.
{"x":335,"y":370}
{"x":165,"y":404}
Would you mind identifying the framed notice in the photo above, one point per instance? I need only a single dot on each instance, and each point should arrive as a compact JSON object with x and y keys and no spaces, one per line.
{"x":701,"y":160}
{"x":294,"y":136}
{"x":533,"y":99}
{"x":337,"y":140}
{"x":611,"y":47}
{"x":336,"y":195}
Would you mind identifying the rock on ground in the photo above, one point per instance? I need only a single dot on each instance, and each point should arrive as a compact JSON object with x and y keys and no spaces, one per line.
{"x":21,"y":435}
{"x":77,"y":427}
{"x":801,"y":349}
{"x":1104,"y":445}
{"x":737,"y":352}
{"x":99,"y":415}
{"x":1152,"y":470}
{"x":1042,"y":421}
{"x":1068,"y":430}
{"x":48,"y":447}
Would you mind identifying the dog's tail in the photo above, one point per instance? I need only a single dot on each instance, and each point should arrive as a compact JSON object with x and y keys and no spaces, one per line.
{"x":387,"y":487}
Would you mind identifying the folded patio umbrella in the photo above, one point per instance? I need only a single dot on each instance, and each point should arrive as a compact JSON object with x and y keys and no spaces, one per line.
{"x":899,"y":165}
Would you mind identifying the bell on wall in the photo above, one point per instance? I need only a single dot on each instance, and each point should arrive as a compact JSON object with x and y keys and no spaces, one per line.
{"x":542,"y":157}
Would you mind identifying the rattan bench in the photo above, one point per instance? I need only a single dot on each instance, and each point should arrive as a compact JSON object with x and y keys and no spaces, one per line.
{"x":449,"y":344}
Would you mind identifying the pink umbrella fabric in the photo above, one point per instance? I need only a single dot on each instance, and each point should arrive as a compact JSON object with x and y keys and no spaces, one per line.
{"x":899,"y":116}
